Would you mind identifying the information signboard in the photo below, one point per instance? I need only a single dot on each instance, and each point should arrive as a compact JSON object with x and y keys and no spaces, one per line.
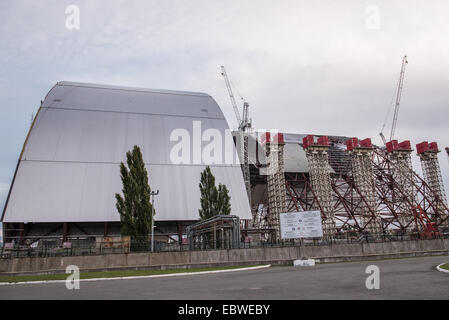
{"x":304,"y":224}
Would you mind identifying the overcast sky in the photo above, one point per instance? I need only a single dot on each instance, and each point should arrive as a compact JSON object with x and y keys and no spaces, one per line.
{"x":322,"y":67}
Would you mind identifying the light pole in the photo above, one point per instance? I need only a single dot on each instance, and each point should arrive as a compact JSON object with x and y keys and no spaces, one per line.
{"x":152,"y":194}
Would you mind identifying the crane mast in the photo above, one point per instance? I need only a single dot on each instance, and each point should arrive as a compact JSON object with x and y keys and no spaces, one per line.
{"x":398,"y":97}
{"x":244,"y":125}
{"x":383,"y":138}
{"x":398,"y":101}
{"x":231,"y":94}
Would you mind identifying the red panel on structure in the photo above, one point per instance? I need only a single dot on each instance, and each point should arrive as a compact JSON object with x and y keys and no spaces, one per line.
{"x":422,"y":147}
{"x":307,"y":141}
{"x":265,"y":138}
{"x":433,"y":146}
{"x":405,"y":145}
{"x":349,"y":146}
{"x":279,"y":138}
{"x":352,"y":143}
{"x":392,"y":145}
{"x":366,"y":143}
{"x":323,"y":141}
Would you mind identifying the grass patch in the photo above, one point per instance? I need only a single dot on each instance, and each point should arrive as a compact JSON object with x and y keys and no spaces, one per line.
{"x":111,"y":274}
{"x":445,"y":266}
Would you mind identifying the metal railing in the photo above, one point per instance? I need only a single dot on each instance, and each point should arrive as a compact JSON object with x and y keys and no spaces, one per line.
{"x":56,"y":247}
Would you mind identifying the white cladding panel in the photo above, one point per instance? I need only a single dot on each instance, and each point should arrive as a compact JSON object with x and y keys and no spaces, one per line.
{"x":74,"y":135}
{"x":84,"y":192}
{"x":69,"y":171}
{"x":121,"y":99}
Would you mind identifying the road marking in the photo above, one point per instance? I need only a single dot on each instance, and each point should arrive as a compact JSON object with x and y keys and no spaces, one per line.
{"x":138,"y":277}
{"x":441,"y":269}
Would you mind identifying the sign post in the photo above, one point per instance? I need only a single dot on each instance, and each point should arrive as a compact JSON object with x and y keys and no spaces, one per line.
{"x":152,"y":194}
{"x":299,"y":225}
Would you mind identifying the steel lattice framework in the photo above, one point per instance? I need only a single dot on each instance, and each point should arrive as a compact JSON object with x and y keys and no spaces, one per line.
{"x":432,"y":175}
{"x":275,"y":183}
{"x":394,"y":198}
{"x":403,"y":176}
{"x":372,"y":190}
{"x":319,"y":171}
{"x":242,"y":137}
{"x":362,"y":171}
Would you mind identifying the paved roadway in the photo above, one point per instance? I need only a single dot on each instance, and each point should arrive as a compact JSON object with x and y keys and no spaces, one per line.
{"x":414,"y":278}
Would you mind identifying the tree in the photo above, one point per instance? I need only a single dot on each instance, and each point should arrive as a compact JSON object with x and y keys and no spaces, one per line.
{"x":209,"y":194}
{"x":213,"y":201}
{"x":224,"y":200}
{"x":134,"y":207}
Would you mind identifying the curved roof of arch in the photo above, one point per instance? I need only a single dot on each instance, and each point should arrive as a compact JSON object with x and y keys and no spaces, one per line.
{"x":69,"y":167}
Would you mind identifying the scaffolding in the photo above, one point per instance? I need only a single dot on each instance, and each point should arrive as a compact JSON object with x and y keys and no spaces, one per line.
{"x":275,"y":182}
{"x":428,"y":154}
{"x":319,"y":173}
{"x":218,"y":232}
{"x":393,"y":198}
{"x":362,"y":171}
{"x":401,"y":157}
{"x":242,"y":140}
{"x":372,"y":189}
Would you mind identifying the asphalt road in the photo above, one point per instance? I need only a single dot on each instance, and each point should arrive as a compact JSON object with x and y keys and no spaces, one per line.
{"x":414,"y":278}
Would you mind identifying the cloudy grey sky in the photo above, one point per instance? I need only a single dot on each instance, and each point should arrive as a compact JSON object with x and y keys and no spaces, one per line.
{"x":305,"y":66}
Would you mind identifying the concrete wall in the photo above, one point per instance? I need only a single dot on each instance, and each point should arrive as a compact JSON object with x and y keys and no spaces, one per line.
{"x":277,"y":255}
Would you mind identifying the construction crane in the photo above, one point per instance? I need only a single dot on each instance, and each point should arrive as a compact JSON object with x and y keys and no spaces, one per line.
{"x":398,"y":101}
{"x":244,"y":126}
{"x":243,"y":121}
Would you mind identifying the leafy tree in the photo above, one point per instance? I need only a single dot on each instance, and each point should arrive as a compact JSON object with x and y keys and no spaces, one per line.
{"x":224,"y":200}
{"x":213,"y":201}
{"x":134,"y":207}
{"x":209,"y":194}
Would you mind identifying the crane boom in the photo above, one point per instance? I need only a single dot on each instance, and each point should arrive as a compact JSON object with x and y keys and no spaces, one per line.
{"x":398,"y":97}
{"x":231,"y":94}
{"x":243,"y":132}
{"x":383,"y":138}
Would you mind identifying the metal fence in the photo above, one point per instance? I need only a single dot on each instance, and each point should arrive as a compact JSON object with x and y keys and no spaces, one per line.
{"x":56,"y":246}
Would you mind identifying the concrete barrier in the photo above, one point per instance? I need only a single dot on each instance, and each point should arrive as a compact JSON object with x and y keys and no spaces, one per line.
{"x":271,"y":255}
